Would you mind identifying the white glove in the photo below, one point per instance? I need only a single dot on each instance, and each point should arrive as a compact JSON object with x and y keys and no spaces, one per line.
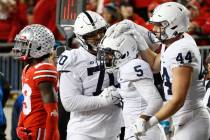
{"x":110,"y":96}
{"x":142,"y":44}
{"x":127,"y":25}
{"x":139,"y":128}
{"x":141,"y":125}
{"x":119,"y":28}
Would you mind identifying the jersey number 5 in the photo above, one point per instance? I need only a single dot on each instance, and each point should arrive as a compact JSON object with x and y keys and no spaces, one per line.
{"x":138,"y":70}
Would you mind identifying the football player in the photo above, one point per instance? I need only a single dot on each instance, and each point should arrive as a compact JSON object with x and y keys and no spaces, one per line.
{"x":181,"y":69}
{"x":140,"y":96}
{"x":84,"y":82}
{"x":39,"y":116}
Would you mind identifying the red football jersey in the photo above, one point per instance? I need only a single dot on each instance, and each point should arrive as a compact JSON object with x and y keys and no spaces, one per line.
{"x":33,"y":113}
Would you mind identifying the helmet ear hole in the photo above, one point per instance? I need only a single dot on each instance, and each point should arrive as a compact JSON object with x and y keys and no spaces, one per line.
{"x":176,"y":33}
{"x":123,"y":56}
{"x":39,"y":48}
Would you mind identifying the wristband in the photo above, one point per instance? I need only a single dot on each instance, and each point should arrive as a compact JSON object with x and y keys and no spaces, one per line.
{"x":152,"y":121}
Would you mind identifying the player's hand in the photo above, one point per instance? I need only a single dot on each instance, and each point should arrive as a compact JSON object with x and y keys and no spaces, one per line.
{"x":127,"y":27}
{"x":139,"y":128}
{"x":119,"y":28}
{"x":23,"y":133}
{"x":110,"y":96}
{"x":143,"y":123}
{"x":142,"y":44}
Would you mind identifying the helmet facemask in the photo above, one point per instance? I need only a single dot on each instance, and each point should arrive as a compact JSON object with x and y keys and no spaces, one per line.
{"x":21,"y":48}
{"x":109,"y":58}
{"x":93,"y":39}
{"x":160,"y":33}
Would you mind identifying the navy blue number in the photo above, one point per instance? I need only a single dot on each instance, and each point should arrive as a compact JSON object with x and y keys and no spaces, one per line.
{"x":138,"y":70}
{"x":188,"y":57}
{"x":90,"y":71}
{"x":62,"y":59}
{"x":180,"y":58}
{"x":166,"y":81}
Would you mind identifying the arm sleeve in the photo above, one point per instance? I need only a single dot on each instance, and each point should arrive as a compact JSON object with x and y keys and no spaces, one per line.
{"x":151,"y":95}
{"x":52,"y":121}
{"x":21,"y":119}
{"x":72,"y":97}
{"x":45,"y":72}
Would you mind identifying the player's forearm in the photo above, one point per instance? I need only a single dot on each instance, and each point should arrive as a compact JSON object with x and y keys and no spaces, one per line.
{"x":20,"y":122}
{"x":52,"y":120}
{"x":152,"y":58}
{"x":150,"y":94}
{"x":168,"y":109}
{"x":81,"y":103}
{"x":153,"y":106}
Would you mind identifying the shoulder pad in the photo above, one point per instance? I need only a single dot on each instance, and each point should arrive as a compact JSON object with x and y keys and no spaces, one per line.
{"x":66,"y":60}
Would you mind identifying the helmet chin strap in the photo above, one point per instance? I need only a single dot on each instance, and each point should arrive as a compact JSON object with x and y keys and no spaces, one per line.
{"x":91,"y":49}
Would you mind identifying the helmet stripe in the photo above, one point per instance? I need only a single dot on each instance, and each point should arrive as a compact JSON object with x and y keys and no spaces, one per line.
{"x":90,"y":18}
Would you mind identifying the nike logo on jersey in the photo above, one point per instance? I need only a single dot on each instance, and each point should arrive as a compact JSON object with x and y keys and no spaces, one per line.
{"x":91,"y":62}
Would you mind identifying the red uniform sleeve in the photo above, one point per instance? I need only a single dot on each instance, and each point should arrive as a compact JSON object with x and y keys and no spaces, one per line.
{"x":52,"y":121}
{"x":21,"y":119}
{"x":45,"y":72}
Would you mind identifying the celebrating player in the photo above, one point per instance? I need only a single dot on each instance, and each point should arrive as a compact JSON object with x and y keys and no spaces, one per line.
{"x":181,"y":69}
{"x":94,"y":115}
{"x":140,"y":96}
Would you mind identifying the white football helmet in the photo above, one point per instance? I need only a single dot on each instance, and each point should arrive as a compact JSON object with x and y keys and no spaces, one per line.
{"x":33,"y":41}
{"x":174,"y":18}
{"x":87,"y":23}
{"x":115,"y":52}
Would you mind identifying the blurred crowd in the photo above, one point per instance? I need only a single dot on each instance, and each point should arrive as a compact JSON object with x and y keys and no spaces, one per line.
{"x":15,"y":14}
{"x":140,"y":10}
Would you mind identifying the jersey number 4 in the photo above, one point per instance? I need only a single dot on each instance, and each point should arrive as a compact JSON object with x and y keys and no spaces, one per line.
{"x":165,"y":76}
{"x":166,"y":81}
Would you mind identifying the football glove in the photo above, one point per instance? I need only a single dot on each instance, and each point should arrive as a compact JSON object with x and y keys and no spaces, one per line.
{"x":23,"y":133}
{"x":110,"y":96}
{"x":142,"y":44}
{"x":141,"y":125}
{"x":119,"y":28}
{"x":143,"y":34}
{"x":129,"y":28}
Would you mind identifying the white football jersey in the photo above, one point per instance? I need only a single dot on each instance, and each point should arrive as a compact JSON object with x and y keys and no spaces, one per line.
{"x":79,"y":81}
{"x":137,"y":101}
{"x":183,"y":52}
{"x":132,"y":71}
